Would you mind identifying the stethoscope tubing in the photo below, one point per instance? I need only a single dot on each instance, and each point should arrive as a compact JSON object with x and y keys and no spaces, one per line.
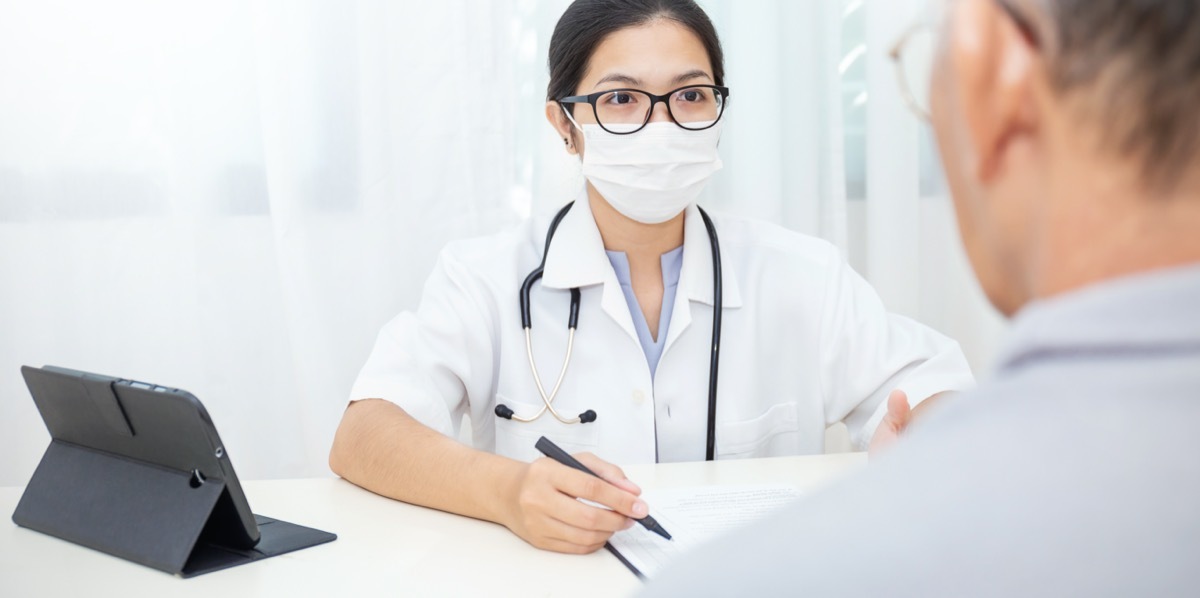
{"x":573,"y":323}
{"x":548,"y":400}
{"x":710,"y":451}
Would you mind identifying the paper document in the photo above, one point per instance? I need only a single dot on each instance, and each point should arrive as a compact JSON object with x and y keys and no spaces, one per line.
{"x":693,"y":515}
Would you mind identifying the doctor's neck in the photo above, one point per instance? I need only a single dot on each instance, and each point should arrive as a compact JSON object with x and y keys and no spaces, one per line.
{"x":639,"y":241}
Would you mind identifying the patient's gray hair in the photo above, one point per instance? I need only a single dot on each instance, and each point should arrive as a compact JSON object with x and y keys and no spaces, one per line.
{"x":1135,"y":67}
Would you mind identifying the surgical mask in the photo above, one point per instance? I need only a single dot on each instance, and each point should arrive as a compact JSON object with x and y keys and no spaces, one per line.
{"x":654,"y":174}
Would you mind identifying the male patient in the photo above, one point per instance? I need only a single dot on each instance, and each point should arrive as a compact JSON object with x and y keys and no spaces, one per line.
{"x":1070,"y":134}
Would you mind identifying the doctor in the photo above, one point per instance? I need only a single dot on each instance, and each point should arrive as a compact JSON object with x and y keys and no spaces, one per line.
{"x":623,"y":320}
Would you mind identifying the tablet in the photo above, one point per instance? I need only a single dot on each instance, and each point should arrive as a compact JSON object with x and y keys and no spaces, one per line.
{"x":120,"y":423}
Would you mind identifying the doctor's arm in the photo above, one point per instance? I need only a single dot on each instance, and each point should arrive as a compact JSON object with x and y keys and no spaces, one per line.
{"x":881,"y":371}
{"x":425,"y":364}
{"x":378,"y":446}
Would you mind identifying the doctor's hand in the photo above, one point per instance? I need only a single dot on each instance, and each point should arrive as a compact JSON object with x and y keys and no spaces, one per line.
{"x":543,"y":510}
{"x":899,"y":414}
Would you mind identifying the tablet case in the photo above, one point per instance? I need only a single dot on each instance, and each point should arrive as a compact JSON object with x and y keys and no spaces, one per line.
{"x":164,"y":518}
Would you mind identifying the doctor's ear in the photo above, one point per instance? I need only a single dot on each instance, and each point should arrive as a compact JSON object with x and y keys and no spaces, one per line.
{"x":562,"y":126}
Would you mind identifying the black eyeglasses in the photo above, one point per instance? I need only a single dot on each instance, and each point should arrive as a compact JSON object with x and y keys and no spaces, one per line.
{"x":627,"y":111}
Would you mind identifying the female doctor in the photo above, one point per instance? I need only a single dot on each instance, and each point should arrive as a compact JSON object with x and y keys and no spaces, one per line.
{"x":610,"y":352}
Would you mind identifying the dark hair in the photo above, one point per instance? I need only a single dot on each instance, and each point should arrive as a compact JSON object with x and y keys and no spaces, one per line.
{"x":587,"y":22}
{"x":1139,"y":61}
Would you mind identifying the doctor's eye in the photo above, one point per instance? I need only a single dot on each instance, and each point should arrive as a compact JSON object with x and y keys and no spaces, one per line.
{"x":620,"y":98}
{"x":692,"y":96}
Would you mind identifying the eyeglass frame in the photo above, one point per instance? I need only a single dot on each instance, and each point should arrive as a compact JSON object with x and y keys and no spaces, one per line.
{"x":896,"y":54}
{"x":665,"y":98}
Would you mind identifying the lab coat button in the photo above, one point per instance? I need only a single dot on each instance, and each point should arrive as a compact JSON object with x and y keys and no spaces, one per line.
{"x":639,"y":396}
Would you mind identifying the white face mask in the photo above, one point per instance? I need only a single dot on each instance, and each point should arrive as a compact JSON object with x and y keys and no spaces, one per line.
{"x":652,"y":175}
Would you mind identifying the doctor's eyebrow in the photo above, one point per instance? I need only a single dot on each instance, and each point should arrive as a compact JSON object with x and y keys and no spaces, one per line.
{"x":618,"y":78}
{"x":635,"y":82}
{"x":688,"y":76}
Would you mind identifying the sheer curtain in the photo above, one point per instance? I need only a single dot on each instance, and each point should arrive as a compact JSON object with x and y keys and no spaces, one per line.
{"x":232,"y":197}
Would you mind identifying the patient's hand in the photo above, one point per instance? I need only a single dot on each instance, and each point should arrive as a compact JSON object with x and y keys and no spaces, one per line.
{"x":899,"y":414}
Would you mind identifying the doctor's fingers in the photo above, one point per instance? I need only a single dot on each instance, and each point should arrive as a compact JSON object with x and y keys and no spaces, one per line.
{"x":589,"y":487}
{"x":565,"y":547}
{"x":574,"y":513}
{"x":584,"y":540}
{"x":611,"y":473}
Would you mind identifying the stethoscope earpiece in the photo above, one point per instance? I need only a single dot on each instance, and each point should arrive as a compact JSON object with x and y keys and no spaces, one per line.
{"x":506,"y":412}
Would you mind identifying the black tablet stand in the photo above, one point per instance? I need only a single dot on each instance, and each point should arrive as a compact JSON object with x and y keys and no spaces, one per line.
{"x":171,"y":520}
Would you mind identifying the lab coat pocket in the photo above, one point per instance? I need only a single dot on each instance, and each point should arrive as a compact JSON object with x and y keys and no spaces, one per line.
{"x":771,"y":434}
{"x":515,"y":439}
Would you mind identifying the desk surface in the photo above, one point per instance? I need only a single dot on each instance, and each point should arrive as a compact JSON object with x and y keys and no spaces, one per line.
{"x":384,"y":547}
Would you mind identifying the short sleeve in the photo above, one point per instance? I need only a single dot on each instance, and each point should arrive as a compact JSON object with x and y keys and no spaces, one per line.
{"x":432,"y":361}
{"x":866,"y":352}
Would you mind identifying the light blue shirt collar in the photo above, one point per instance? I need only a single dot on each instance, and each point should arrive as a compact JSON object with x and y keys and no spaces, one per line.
{"x":672,"y":264}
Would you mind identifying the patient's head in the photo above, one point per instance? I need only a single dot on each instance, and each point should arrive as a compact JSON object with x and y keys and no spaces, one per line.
{"x":1070,"y":133}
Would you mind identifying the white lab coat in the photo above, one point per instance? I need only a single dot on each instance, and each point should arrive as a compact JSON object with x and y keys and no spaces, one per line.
{"x":805,"y":343}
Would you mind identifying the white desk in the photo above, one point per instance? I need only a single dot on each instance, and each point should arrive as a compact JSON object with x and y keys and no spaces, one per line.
{"x":384,"y":547}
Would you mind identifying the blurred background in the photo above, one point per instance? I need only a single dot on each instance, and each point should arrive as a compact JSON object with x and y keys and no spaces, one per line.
{"x":233,"y":196}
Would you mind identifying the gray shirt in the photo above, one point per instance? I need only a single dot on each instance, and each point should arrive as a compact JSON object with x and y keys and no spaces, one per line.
{"x":1075,"y":472}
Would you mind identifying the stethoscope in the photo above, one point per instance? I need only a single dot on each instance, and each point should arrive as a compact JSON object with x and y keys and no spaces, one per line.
{"x":573,"y":323}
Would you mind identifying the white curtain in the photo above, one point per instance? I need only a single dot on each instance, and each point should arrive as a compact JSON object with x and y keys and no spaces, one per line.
{"x":232,"y":197}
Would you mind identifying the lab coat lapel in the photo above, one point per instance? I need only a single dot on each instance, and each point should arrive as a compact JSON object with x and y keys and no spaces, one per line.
{"x":696,"y":276}
{"x":577,"y":260}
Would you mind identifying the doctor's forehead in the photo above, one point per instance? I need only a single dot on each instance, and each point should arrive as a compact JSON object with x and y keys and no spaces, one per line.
{"x":658,"y":56}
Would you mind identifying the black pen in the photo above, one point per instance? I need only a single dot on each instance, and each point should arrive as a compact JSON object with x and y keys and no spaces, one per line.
{"x":551,"y":450}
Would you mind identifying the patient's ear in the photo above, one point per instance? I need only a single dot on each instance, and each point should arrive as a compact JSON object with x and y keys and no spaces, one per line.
{"x":995,"y":68}
{"x":562,"y":126}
